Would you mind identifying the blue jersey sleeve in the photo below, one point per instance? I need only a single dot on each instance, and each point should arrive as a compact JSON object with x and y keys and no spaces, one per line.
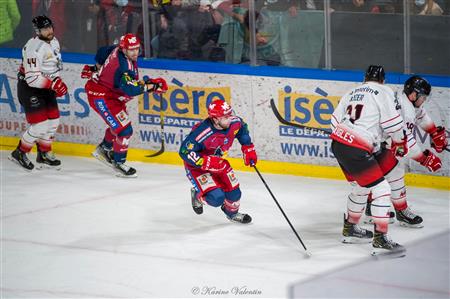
{"x":243,"y":135}
{"x":103,"y":53}
{"x":190,"y":149}
{"x":125,"y":78}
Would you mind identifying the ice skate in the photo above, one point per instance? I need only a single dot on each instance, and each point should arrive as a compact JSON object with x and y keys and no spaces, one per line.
{"x":103,"y":155}
{"x":47,"y":160}
{"x":238,"y":217}
{"x":367,"y":218}
{"x":383,"y":246}
{"x":124,"y":171}
{"x":408,"y":218}
{"x":197,"y":205}
{"x":353,"y":234}
{"x":19,"y":157}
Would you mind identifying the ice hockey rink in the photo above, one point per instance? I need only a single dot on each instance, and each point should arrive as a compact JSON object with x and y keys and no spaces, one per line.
{"x":83,"y":233}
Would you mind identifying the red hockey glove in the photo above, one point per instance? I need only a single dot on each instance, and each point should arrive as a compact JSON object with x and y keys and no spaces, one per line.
{"x":400,"y":149}
{"x":438,"y":139}
{"x":249,"y":153}
{"x":430,"y":161}
{"x":88,"y":71}
{"x":59,"y":87}
{"x":214,"y":164}
{"x":156,"y":85}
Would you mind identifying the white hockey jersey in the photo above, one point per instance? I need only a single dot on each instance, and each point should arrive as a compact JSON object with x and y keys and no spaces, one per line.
{"x":414,"y":116}
{"x":364,"y":114}
{"x":41,"y":62}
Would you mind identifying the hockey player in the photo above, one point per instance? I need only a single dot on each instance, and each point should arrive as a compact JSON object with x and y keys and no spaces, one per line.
{"x":39,"y":84}
{"x":358,"y":122}
{"x":203,"y":152}
{"x":108,"y":92}
{"x":410,"y":104}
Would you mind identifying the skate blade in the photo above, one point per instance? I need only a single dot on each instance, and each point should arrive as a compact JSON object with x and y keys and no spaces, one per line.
{"x":404,"y":224}
{"x":369,"y":220}
{"x":17,"y":163}
{"x":43,"y":166}
{"x":121,"y":175}
{"x":380,"y":253}
{"x":237,"y":221}
{"x":101,"y":159}
{"x":356,"y":240}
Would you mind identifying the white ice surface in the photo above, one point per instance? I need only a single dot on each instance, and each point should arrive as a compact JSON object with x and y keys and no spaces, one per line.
{"x":82,"y":232}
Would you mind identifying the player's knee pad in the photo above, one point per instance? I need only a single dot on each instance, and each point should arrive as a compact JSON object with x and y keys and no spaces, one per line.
{"x":215,"y":197}
{"x":126,"y":132}
{"x":233,"y":195}
{"x":396,"y":179}
{"x":380,"y":191}
{"x":38,"y":130}
{"x":357,"y":198}
{"x":52,"y":126}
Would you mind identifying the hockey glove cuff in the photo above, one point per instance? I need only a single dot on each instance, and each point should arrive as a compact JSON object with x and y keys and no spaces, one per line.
{"x":59,"y":87}
{"x":430,"y":161}
{"x":249,"y":153}
{"x":400,"y":148}
{"x":88,"y":71}
{"x":156,"y":85}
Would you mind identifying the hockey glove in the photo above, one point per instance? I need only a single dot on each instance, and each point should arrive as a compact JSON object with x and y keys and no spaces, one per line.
{"x":249,"y":154}
{"x":438,"y":139}
{"x":156,"y":85}
{"x":430,"y":161}
{"x":88,"y":71}
{"x":214,"y":164}
{"x":59,"y":87}
{"x":400,"y":149}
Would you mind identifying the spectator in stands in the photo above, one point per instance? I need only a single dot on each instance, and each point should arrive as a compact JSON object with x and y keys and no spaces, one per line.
{"x":173,"y":38}
{"x":427,"y":7}
{"x":351,"y":5}
{"x":204,"y":28}
{"x":112,"y":21}
{"x":9,"y":20}
{"x":386,"y":6}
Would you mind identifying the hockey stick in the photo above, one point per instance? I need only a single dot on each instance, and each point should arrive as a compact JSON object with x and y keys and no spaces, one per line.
{"x":161,"y":122}
{"x":288,"y":123}
{"x":285,"y":217}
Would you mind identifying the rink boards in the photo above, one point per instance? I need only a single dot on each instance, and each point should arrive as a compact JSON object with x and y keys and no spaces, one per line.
{"x":283,"y":149}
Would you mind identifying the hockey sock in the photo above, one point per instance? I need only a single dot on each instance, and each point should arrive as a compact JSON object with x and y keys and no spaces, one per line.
{"x":381,"y":194}
{"x":398,"y":191}
{"x":120,"y":144}
{"x":45,"y":142}
{"x":108,"y":139}
{"x":356,"y":203}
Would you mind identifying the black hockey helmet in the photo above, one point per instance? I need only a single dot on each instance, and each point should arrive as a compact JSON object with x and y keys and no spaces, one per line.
{"x":40,"y":22}
{"x":374,"y":73}
{"x":417,"y":84}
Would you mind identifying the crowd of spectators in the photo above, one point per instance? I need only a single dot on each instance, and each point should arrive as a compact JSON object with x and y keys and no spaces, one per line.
{"x":185,"y":29}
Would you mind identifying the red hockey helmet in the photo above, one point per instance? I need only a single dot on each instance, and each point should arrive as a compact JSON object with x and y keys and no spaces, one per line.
{"x":219,"y":108}
{"x":129,"y":41}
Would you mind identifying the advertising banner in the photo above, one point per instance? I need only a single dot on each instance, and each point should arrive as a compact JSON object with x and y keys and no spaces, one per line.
{"x":304,"y":101}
